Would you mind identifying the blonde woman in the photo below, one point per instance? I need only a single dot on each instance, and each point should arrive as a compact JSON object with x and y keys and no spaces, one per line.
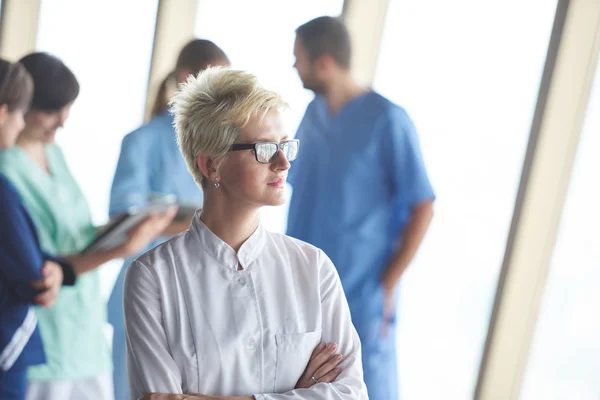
{"x":228,"y":310}
{"x":151,"y":163}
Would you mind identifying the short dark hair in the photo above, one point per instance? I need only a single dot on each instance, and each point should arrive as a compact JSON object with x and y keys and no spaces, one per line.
{"x":327,"y":36}
{"x":54,"y":84}
{"x":16,"y":86}
{"x":198,"y":54}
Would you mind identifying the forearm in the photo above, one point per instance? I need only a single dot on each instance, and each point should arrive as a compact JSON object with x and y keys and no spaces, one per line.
{"x":412,"y":237}
{"x":83,"y":263}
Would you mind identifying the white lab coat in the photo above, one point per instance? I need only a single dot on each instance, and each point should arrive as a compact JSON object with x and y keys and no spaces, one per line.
{"x":195,"y":324}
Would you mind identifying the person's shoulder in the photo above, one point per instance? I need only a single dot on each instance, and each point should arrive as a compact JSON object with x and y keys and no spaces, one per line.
{"x":139,"y":133}
{"x":161,"y":257}
{"x":162,"y":263}
{"x":296,"y":246}
{"x":290,"y":241}
{"x":316,"y":102}
{"x":14,"y":166}
{"x":10,"y":200}
{"x":385,"y":106}
{"x":391,"y":116}
{"x":150,"y":130}
{"x":317,"y":105}
{"x":315,"y":115}
{"x":8,"y":158}
{"x":8,"y":153}
{"x":8,"y":192}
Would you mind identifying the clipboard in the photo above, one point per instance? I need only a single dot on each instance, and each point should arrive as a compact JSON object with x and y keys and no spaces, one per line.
{"x":116,"y":233}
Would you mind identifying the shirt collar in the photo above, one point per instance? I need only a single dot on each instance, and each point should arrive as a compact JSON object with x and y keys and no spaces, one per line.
{"x":222,"y":252}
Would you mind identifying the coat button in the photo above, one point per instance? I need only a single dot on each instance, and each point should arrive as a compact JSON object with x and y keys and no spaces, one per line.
{"x":240,"y":280}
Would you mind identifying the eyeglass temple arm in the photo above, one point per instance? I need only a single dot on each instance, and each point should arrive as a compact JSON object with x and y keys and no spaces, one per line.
{"x":242,"y":146}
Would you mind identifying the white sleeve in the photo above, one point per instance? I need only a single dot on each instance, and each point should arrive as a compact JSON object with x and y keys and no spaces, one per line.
{"x":337,"y":327}
{"x":150,"y":366}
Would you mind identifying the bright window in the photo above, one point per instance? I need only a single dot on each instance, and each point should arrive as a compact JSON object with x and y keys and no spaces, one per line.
{"x":468,"y":72}
{"x":110,"y":53}
{"x":565,"y":357}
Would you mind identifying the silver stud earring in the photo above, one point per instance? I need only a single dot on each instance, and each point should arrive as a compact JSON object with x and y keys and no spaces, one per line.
{"x":217,"y":184}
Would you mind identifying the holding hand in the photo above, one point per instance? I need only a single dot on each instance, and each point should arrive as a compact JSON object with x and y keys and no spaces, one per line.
{"x":49,"y":285}
{"x":146,"y":231}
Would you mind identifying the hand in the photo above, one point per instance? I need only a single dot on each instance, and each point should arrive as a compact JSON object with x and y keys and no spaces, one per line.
{"x":146,"y":231}
{"x":388,"y":306}
{"x":322,"y":366}
{"x":49,"y":285}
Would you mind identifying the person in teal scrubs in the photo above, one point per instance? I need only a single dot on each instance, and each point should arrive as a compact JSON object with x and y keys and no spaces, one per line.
{"x":78,"y":358}
{"x":360,"y":191}
{"x":151,"y":164}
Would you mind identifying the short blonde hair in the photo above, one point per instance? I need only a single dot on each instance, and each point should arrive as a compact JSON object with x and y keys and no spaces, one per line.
{"x":211,"y":109}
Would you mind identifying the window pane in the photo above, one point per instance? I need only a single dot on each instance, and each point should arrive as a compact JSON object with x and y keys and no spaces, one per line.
{"x":259,"y":37}
{"x":565,"y":357}
{"x":470,"y":84}
{"x":110,"y":54}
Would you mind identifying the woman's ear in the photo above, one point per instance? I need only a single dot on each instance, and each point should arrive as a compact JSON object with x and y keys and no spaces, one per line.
{"x":207,"y":166}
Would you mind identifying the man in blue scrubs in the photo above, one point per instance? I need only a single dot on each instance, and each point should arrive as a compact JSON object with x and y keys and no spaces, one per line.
{"x":151,"y":163}
{"x":360,"y":191}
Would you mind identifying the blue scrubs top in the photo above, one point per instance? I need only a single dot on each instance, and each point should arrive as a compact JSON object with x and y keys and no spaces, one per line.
{"x":357,"y":175}
{"x":150,"y":163}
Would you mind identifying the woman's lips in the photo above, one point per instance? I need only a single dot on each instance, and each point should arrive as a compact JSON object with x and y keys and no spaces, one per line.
{"x":278,"y":183}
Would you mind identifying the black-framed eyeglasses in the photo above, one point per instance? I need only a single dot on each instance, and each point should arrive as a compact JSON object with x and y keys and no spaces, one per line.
{"x":267,"y":152}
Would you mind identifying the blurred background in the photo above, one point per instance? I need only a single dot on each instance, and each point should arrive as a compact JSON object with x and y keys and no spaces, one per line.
{"x":472,"y":74}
